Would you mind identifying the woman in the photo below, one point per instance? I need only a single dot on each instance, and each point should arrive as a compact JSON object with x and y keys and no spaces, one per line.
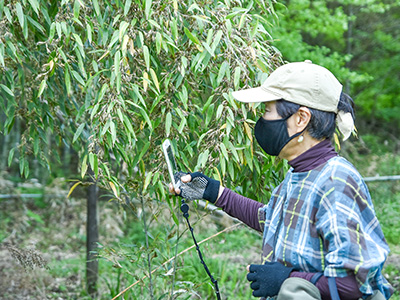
{"x":320,"y":233}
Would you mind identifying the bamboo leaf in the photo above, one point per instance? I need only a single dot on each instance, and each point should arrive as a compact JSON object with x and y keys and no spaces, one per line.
{"x":8,"y":14}
{"x":78,"y":132}
{"x":36,"y":24}
{"x":73,"y":188}
{"x":217,"y":39}
{"x":78,"y":39}
{"x":146,"y":117}
{"x":233,"y":150}
{"x":96,"y":7}
{"x":182,"y":125}
{"x":120,"y":116}
{"x":77,"y":8}
{"x":145,"y":81}
{"x":41,"y":87}
{"x":91,"y":159}
{"x":337,"y":141}
{"x":125,"y":42}
{"x":146,"y":57}
{"x":78,"y":77}
{"x":222,"y":71}
{"x":114,"y":189}
{"x":96,"y":167}
{"x":128,"y":4}
{"x":147,"y":180}
{"x":219,"y":111}
{"x":223,"y":164}
{"x":158,"y":42}
{"x":236,"y":78}
{"x":67,"y":81}
{"x":105,"y":128}
{"x":155,"y":79}
{"x":103,"y":91}
{"x":191,"y":36}
{"x":122,"y":29}
{"x":241,"y":22}
{"x":129,"y":126}
{"x":203,"y":158}
{"x":2,"y":55}
{"x":218,"y":174}
{"x":52,"y":31}
{"x":21,"y":165}
{"x":224,"y":151}
{"x":147,"y":8}
{"x":113,"y":132}
{"x":94,"y":110}
{"x":248,"y":131}
{"x":35,"y":6}
{"x":7,"y":90}
{"x":84,"y":166}
{"x":10,"y":156}
{"x":59,"y":30}
{"x":20,"y":14}
{"x":207,"y":47}
{"x":117,"y":60}
{"x":144,"y":150}
{"x":168,"y":122}
{"x":89,"y":32}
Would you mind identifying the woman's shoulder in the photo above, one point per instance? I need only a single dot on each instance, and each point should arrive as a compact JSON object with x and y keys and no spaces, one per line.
{"x":339,"y":169}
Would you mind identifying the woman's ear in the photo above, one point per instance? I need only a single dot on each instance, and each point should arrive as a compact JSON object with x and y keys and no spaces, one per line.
{"x":303,"y":117}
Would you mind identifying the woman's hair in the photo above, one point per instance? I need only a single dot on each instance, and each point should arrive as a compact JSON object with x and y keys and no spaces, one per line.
{"x":322,"y":124}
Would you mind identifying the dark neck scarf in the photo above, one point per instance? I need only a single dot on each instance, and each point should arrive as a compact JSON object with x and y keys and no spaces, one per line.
{"x":313,"y":157}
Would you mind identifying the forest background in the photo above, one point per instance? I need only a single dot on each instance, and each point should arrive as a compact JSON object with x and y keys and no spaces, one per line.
{"x":90,"y":89}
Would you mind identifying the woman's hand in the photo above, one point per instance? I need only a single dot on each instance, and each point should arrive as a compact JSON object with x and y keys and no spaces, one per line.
{"x":196,"y":186}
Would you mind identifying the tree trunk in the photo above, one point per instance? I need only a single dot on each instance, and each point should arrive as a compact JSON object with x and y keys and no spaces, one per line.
{"x":92,"y":236}
{"x":4,"y":152}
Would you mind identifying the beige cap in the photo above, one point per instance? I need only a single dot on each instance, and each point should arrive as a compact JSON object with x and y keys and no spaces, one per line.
{"x":302,"y":83}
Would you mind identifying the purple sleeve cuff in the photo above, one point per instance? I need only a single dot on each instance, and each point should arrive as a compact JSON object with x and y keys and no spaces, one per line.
{"x":347,"y":286}
{"x":242,"y":208}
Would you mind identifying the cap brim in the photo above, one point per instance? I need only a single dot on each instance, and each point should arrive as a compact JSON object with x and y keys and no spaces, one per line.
{"x":254,"y":95}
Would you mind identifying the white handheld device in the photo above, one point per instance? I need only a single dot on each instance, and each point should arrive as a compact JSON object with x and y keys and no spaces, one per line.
{"x":171,"y":163}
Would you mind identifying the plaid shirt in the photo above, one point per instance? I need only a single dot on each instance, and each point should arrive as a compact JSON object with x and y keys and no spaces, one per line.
{"x":324,"y":220}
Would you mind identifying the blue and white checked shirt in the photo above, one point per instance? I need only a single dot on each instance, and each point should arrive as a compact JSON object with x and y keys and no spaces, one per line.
{"x":323,"y":220}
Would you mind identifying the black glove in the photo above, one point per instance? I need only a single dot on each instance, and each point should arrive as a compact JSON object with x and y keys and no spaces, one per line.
{"x":267,"y":279}
{"x":200,"y":187}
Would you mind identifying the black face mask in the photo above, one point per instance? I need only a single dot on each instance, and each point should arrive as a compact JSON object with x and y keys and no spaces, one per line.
{"x":272,"y":135}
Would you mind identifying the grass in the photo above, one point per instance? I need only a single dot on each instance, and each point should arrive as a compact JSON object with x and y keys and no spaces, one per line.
{"x":56,"y":227}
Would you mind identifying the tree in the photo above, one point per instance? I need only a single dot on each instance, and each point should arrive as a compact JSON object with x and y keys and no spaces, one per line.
{"x":375,"y":52}
{"x":356,"y":40}
{"x":114,"y":78}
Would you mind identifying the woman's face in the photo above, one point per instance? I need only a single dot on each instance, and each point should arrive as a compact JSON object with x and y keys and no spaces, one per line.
{"x":270,"y":111}
{"x":272,"y":114}
{"x":292,"y":147}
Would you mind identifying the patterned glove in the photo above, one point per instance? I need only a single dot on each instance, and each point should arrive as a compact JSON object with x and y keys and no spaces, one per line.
{"x":267,"y":279}
{"x":200,"y":187}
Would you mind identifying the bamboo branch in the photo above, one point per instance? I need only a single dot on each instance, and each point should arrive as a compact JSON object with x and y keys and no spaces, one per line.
{"x":180,"y":253}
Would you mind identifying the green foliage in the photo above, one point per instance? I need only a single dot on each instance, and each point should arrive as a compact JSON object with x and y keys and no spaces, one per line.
{"x":113,"y":79}
{"x":356,"y":40}
{"x":376,"y":51}
{"x":314,"y":30}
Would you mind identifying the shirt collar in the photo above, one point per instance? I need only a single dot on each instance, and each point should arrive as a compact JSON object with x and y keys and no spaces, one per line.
{"x":313,"y":157}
